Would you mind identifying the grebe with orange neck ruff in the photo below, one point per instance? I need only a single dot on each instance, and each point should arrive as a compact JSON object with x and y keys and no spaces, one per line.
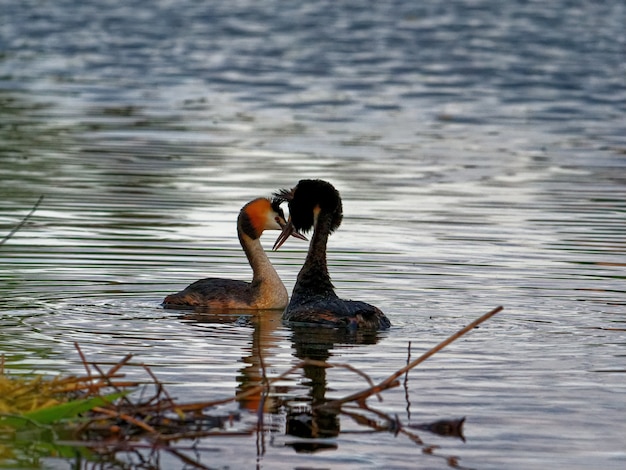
{"x":266,"y":291}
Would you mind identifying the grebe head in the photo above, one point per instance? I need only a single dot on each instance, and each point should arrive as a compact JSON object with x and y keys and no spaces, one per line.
{"x":306,"y":200}
{"x":263,"y":214}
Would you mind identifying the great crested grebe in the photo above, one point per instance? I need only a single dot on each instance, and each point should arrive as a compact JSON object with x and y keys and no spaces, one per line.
{"x":266,"y":291}
{"x":317,"y":204}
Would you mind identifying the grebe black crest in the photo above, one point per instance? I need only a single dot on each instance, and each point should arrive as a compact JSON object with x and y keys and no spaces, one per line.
{"x":266,"y":291}
{"x":317,"y":204}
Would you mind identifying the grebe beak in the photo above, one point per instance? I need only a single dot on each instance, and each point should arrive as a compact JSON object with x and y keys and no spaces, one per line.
{"x":288,"y":231}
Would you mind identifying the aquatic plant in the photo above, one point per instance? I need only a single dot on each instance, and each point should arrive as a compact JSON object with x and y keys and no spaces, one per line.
{"x":99,"y":415}
{"x":39,"y":401}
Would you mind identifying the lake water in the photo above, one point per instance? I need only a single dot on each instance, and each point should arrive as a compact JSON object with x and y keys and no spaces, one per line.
{"x":480,"y":150}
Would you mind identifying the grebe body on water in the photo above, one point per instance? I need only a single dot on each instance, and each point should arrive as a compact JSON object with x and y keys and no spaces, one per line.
{"x":266,"y":291}
{"x":316,"y":204}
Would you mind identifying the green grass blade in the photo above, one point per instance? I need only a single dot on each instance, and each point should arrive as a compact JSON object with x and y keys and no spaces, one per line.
{"x":57,"y":413}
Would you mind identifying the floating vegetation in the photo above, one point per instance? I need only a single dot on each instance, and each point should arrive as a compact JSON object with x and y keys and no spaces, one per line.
{"x":25,"y":401}
{"x":102,"y":418}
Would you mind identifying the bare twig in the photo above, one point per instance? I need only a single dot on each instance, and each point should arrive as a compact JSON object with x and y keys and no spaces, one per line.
{"x":395,"y":426}
{"x":113,"y":370}
{"x":160,"y":421}
{"x":391,"y":381}
{"x":406,"y":383}
{"x":21,"y":224}
{"x":125,"y":417}
{"x":160,"y":387}
{"x":92,"y":389}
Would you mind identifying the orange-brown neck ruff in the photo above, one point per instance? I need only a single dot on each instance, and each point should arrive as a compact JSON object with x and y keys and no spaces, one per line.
{"x":266,"y":291}
{"x":253,"y":217}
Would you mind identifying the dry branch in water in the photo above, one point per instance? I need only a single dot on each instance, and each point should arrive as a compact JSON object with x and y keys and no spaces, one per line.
{"x":125,"y":423}
{"x":161,"y":406}
{"x":391,"y":381}
{"x":21,"y":224}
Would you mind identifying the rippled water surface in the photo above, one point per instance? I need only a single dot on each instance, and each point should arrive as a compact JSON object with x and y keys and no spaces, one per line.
{"x":480,"y":151}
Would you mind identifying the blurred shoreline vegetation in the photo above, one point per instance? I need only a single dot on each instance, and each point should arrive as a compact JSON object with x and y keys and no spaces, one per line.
{"x":100,"y":417}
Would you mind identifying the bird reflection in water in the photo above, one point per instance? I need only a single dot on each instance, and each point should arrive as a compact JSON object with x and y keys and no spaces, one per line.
{"x":304,"y":420}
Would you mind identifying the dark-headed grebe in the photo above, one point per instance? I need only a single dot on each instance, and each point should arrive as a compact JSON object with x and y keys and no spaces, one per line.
{"x":317,"y":204}
{"x":266,"y":291}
